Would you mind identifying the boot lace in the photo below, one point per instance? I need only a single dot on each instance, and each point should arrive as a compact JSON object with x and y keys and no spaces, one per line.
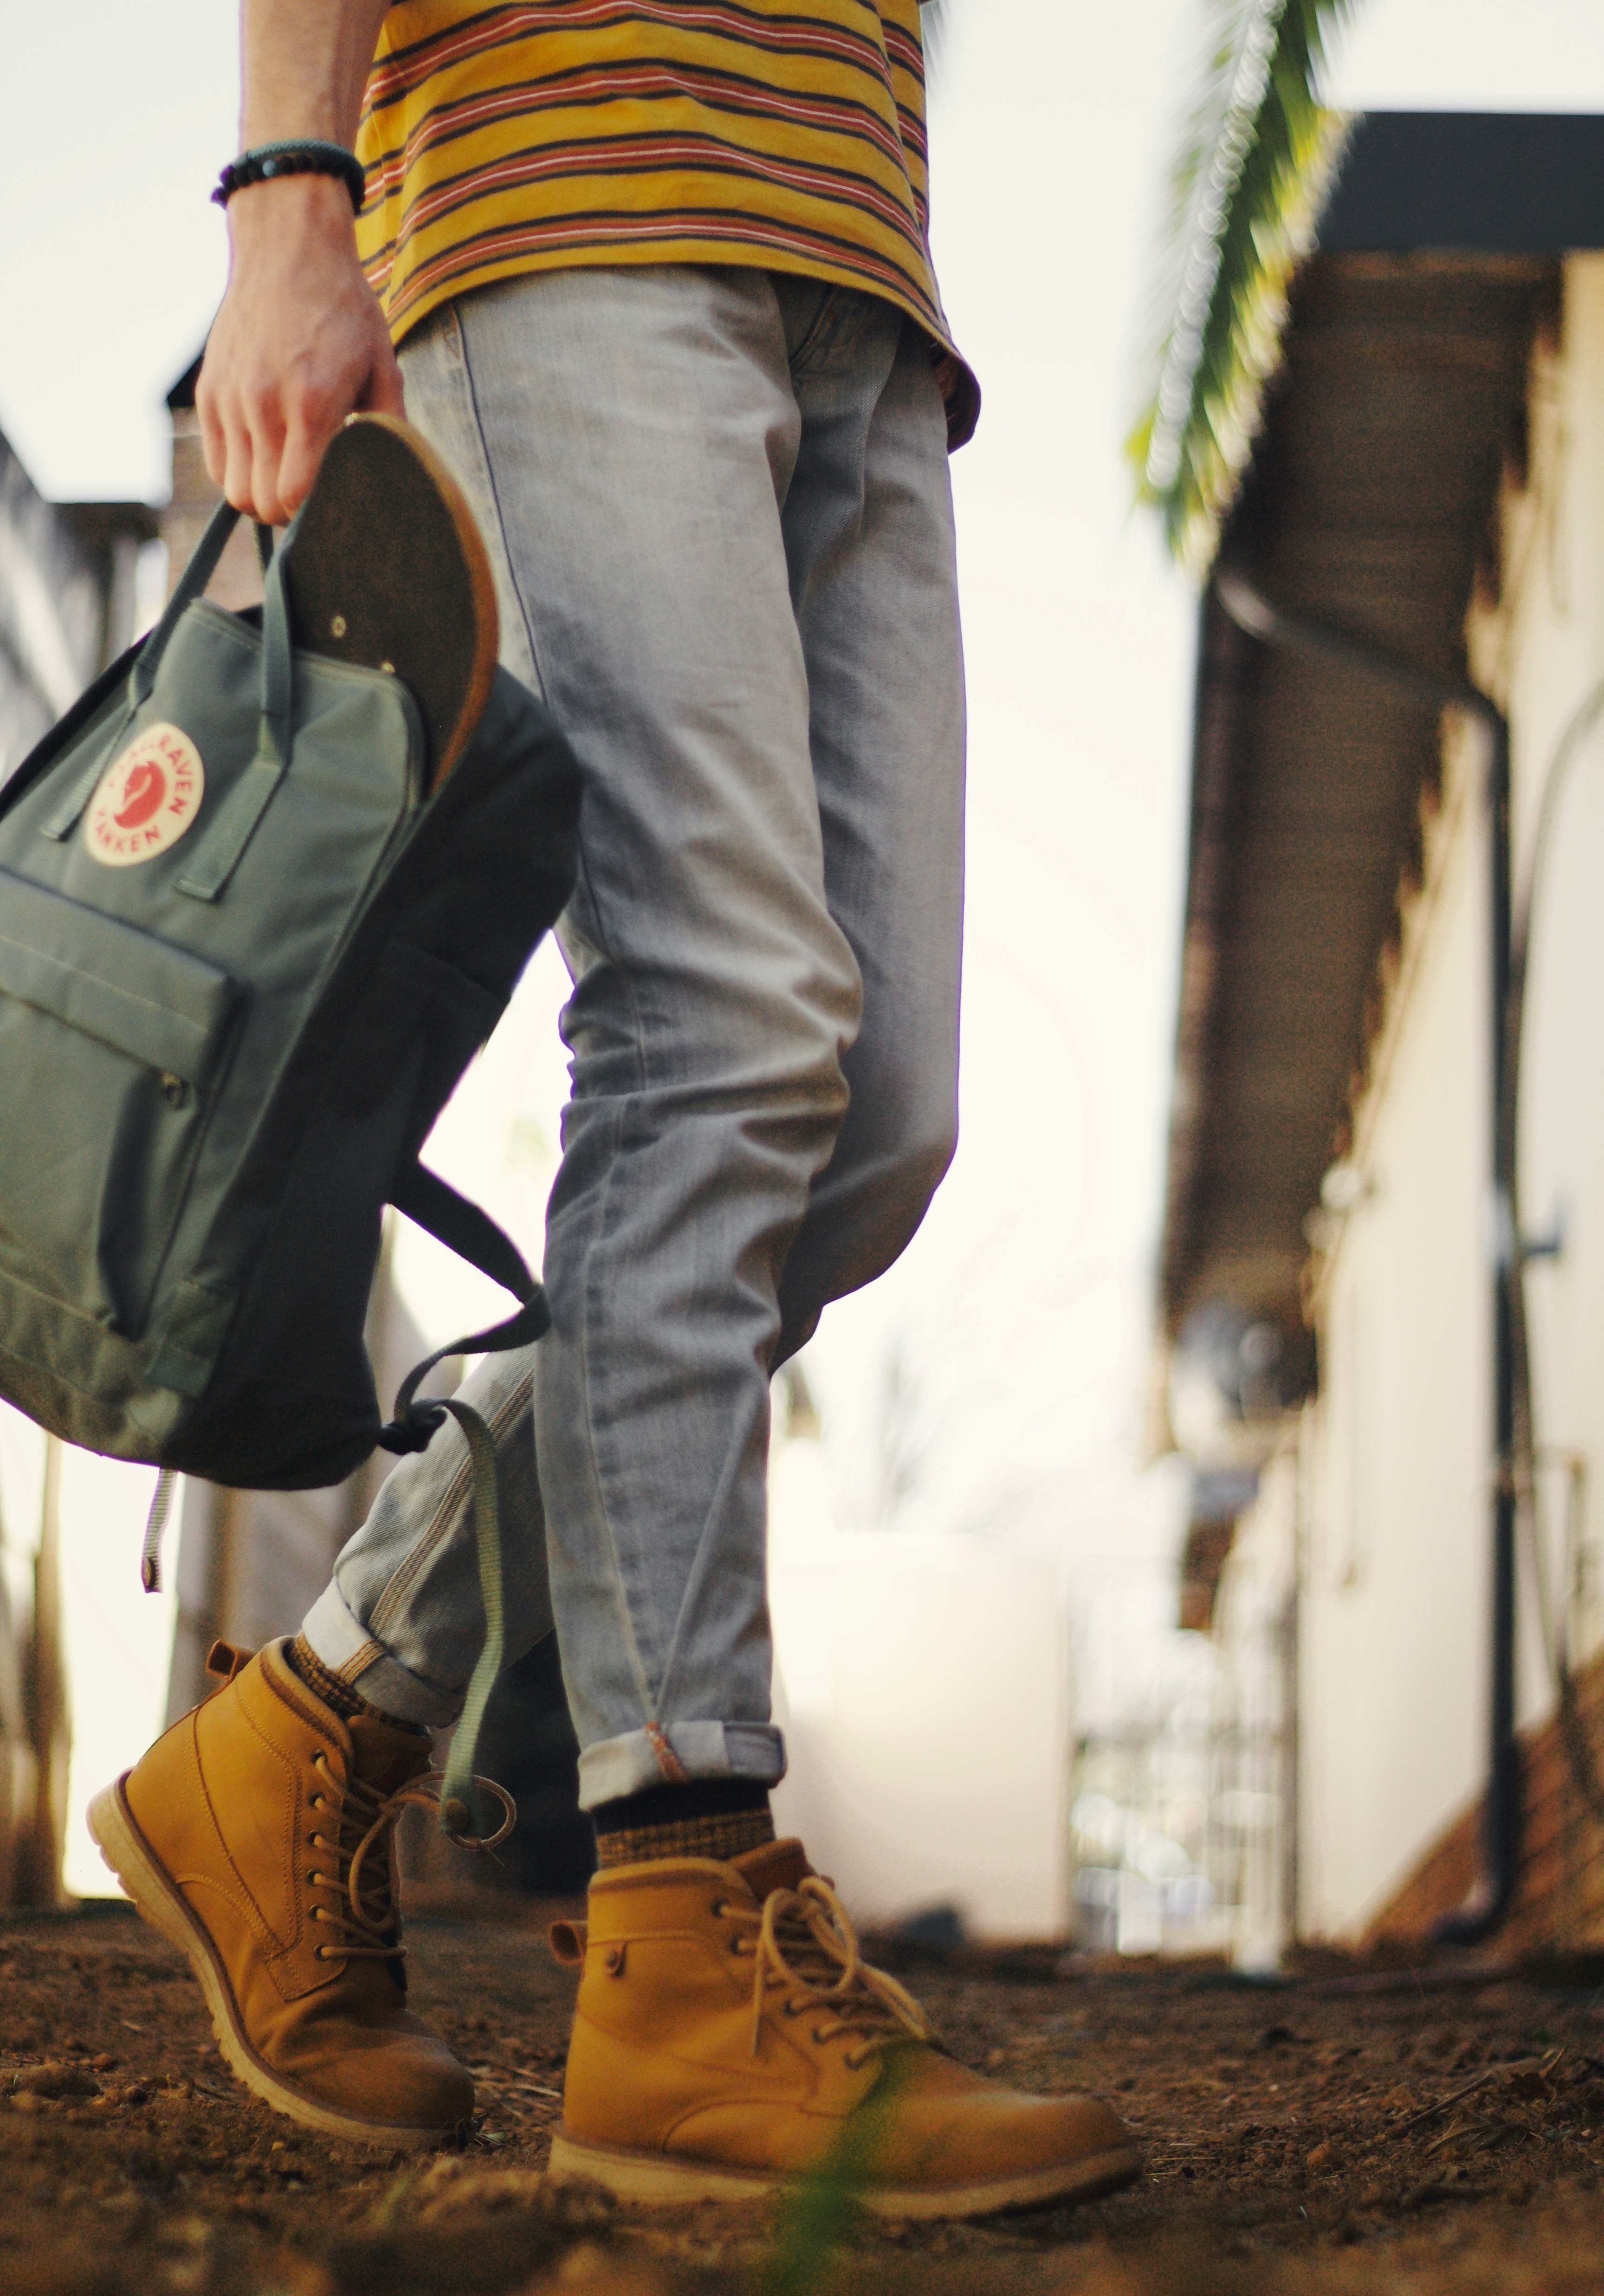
{"x":802,"y":1941}
{"x":358,"y":1897}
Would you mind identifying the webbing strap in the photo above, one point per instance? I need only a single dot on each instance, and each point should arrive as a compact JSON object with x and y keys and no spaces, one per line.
{"x":460,"y":1811}
{"x":142,"y":677}
{"x":459,"y":1224}
{"x":220,"y":850}
{"x":156,"y":1521}
{"x":202,"y":565}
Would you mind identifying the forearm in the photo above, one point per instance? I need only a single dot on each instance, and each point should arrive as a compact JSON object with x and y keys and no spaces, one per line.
{"x":300,"y":339}
{"x":305,"y":64}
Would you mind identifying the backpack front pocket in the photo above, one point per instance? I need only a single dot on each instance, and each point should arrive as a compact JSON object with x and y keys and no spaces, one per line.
{"x":112,"y":1045}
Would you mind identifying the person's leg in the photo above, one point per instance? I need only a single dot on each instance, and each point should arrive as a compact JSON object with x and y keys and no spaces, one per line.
{"x":632,"y":435}
{"x":726,"y":2027}
{"x":402,"y":1616}
{"x":870,"y":540}
{"x":627,"y":439}
{"x":852,"y":489}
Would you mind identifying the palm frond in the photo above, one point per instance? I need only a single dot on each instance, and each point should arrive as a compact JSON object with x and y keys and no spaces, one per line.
{"x":1258,"y":153}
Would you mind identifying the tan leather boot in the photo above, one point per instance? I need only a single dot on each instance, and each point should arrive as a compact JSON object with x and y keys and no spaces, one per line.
{"x":259,"y":1836}
{"x":726,"y":2028}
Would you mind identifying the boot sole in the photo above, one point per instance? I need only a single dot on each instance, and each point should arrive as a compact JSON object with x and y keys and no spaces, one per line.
{"x":660,"y":2180}
{"x":157,"y":1901}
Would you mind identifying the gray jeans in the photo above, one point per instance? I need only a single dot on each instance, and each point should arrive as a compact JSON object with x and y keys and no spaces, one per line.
{"x":718,"y":506}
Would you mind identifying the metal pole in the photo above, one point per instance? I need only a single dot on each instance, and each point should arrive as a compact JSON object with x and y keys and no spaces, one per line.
{"x":1502,"y":1820}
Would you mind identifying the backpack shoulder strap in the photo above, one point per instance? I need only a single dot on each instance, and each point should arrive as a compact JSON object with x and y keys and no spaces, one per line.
{"x":457,"y":1222}
{"x":453,"y":1220}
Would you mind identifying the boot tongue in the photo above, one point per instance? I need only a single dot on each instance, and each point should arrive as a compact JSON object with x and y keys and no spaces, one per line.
{"x":385,"y":1754}
{"x":772,"y":1865}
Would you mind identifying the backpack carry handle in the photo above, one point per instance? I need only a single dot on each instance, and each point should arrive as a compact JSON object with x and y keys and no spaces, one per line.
{"x":142,"y":679}
{"x":203,"y":563}
{"x":219,"y":852}
{"x":230,"y":832}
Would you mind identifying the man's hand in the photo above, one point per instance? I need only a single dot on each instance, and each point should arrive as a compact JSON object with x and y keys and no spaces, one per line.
{"x":301,"y":341}
{"x":298,"y":344}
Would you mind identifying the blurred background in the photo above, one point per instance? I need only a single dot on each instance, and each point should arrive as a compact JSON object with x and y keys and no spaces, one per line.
{"x":1130,"y":1544}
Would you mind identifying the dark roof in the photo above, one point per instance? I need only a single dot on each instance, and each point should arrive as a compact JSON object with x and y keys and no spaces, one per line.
{"x":1368,"y":504}
{"x":1502,"y":182}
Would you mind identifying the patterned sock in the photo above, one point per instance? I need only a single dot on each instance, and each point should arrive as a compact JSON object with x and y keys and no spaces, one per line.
{"x":308,"y":1668}
{"x":706,"y":1817}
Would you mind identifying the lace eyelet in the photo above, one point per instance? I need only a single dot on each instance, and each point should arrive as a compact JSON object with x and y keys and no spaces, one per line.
{"x":854,"y":2061}
{"x":795,"y":2008}
{"x":321,"y":1953}
{"x":719,"y":1907}
{"x":737,"y":1945}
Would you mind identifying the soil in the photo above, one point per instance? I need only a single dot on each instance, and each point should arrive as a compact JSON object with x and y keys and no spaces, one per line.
{"x":1352,"y":2128}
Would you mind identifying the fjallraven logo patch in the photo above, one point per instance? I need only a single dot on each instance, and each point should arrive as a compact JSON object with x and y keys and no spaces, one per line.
{"x":147,"y":799}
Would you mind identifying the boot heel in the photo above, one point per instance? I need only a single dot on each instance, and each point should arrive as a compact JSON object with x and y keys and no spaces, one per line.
{"x":116,"y":1837}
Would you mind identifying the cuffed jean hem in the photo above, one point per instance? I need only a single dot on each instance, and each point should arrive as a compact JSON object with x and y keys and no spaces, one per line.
{"x":347,"y":1650}
{"x":703,"y":1750}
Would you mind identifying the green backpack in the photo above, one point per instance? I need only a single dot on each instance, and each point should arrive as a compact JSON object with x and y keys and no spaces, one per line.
{"x":244,"y":957}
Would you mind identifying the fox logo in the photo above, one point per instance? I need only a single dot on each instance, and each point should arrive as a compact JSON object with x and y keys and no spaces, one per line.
{"x":147,"y":799}
{"x":146,"y":787}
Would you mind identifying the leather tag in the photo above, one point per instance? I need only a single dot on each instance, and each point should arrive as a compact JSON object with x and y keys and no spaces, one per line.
{"x":223,"y":1660}
{"x":568,"y":1940}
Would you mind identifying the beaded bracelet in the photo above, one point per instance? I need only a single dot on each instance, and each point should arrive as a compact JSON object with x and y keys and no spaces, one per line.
{"x":301,"y":156}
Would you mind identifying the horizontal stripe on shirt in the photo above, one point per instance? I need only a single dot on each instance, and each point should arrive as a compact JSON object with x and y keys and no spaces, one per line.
{"x":548,"y":134}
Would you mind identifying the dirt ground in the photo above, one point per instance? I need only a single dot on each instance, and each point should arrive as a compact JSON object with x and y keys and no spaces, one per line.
{"x":1350,"y":2130}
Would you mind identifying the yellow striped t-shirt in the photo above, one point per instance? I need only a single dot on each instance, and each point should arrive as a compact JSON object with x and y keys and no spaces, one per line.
{"x":546,"y":134}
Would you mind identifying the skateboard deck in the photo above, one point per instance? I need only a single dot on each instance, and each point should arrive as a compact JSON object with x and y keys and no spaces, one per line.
{"x":386,"y":569}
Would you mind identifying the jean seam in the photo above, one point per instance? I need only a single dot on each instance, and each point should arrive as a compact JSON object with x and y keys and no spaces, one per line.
{"x":797,"y":360}
{"x":843,"y":319}
{"x":487,"y":471}
{"x":370,"y":1651}
{"x":603,"y":946}
{"x":604,"y":1514}
{"x":425,"y":1545}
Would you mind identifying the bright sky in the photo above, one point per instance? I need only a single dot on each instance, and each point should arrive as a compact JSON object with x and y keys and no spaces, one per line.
{"x":1021,"y":1311}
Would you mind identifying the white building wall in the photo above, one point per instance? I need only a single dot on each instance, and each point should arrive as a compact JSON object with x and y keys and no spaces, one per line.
{"x":1395,"y":1546}
{"x":922,"y":1682}
{"x":1395,"y":1537}
{"x":1553,"y":638}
